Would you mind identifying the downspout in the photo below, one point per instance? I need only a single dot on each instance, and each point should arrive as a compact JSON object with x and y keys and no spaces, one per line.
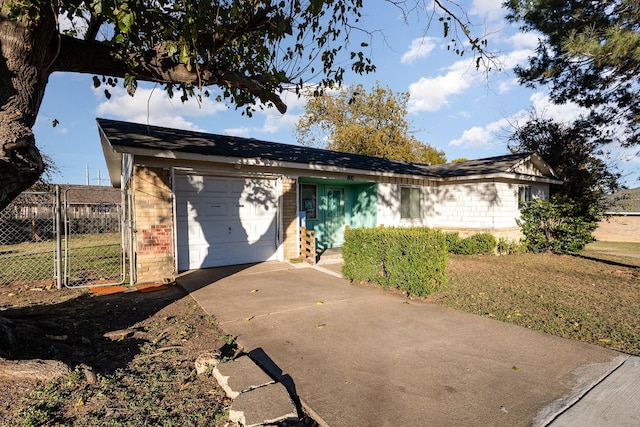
{"x":58,"y":239}
{"x":132,"y":254}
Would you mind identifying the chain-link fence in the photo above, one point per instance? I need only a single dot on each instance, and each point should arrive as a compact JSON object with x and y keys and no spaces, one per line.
{"x":72,"y":237}
{"x":28,"y":239}
{"x":93,"y":237}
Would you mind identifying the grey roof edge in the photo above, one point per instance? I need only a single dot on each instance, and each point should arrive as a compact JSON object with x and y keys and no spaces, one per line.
{"x":118,"y":137}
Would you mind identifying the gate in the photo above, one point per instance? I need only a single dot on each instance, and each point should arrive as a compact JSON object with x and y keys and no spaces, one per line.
{"x":71,"y":237}
{"x":93,"y":237}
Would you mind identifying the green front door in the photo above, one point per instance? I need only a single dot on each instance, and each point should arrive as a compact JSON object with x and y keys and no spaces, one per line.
{"x":335,"y":216}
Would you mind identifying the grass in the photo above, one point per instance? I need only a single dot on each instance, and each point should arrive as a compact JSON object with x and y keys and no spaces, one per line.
{"x":96,"y":253}
{"x":594,"y":301}
{"x":624,"y":253}
{"x":621,"y":247}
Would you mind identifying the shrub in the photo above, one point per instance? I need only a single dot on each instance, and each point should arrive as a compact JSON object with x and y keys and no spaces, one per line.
{"x":482,"y":243}
{"x":559,"y":225}
{"x":410,"y":259}
{"x":453,"y":241}
{"x":509,"y":247}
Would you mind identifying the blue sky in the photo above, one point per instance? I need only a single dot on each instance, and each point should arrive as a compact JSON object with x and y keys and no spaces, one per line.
{"x":452,"y":106}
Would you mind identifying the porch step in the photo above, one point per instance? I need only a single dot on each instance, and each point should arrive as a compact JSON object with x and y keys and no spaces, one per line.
{"x":331,"y":255}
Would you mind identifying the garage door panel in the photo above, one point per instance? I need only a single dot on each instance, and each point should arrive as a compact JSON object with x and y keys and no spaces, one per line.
{"x":189,"y":184}
{"x":216,"y":185}
{"x":216,"y":232}
{"x":231,"y":221}
{"x":217,"y":209}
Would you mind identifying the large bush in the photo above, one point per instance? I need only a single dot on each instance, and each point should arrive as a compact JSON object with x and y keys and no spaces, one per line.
{"x":559,"y":225}
{"x":410,"y":259}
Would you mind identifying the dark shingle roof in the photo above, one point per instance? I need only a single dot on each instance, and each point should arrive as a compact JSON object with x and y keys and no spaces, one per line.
{"x":499,"y":164}
{"x":625,"y":201}
{"x":125,"y":136}
{"x":132,"y":135}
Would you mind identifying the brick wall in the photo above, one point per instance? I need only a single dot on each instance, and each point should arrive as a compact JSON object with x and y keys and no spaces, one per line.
{"x":618,"y":228}
{"x":153,"y":216}
{"x":290,"y":219}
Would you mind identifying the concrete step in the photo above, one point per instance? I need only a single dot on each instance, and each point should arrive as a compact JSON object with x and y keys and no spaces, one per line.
{"x":257,"y":399}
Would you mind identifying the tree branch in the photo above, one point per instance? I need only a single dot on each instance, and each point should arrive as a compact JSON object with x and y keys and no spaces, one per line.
{"x":92,"y":57}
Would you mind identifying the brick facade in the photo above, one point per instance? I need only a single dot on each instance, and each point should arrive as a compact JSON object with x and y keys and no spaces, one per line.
{"x":153,"y":218}
{"x":290,"y":236}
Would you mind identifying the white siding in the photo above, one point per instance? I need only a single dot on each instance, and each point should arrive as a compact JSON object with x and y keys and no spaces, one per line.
{"x":389,"y":203}
{"x":481,"y":205}
{"x":471,"y":205}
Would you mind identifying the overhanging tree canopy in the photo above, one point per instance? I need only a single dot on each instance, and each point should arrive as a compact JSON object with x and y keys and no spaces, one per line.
{"x":577,"y":153}
{"x":588,"y":53}
{"x":251,"y":50}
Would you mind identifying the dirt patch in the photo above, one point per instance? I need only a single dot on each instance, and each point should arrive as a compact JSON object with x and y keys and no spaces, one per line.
{"x":130,"y":357}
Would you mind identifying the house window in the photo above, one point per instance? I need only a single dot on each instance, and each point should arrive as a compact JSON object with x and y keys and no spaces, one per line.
{"x":308,"y":200}
{"x":409,"y":202}
{"x":524,"y":195}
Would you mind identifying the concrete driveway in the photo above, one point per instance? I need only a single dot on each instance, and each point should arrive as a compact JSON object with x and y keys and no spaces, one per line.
{"x":358,"y":356}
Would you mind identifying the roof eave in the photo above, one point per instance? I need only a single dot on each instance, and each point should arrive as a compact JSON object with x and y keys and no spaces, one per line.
{"x":539,"y":161}
{"x":505,"y":175}
{"x":113,"y":158}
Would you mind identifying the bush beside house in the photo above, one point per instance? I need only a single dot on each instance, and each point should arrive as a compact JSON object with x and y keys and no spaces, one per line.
{"x":412,"y":260}
{"x":558,"y":225}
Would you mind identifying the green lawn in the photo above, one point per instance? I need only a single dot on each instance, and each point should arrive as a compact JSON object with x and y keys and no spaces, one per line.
{"x":34,"y":261}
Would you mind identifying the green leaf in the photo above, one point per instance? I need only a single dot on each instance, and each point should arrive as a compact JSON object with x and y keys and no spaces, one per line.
{"x":97,"y":7}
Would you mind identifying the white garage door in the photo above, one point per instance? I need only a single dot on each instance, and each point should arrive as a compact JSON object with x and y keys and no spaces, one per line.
{"x":225,"y":221}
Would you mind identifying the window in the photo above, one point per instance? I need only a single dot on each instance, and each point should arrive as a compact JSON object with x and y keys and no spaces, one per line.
{"x":409,"y":202}
{"x":524,"y":195}
{"x":308,"y":200}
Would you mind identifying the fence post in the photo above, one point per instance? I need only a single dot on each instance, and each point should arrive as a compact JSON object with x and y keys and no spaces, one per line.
{"x":58,"y":211}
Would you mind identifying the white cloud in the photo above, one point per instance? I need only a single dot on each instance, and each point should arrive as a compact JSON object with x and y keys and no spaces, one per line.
{"x":564,"y":113}
{"x":76,"y":23}
{"x":420,"y":48}
{"x":520,"y":40}
{"x":494,"y":133}
{"x":433,"y":93}
{"x":156,"y":108}
{"x":506,"y":85}
{"x":273,"y":121}
{"x":489,"y":135}
{"x":489,"y":9}
{"x":243,"y":132}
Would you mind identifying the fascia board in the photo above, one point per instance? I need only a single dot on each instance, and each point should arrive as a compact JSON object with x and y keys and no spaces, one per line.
{"x":502,"y":175}
{"x":113,"y":158}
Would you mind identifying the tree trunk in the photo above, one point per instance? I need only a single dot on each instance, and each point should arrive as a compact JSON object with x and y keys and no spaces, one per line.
{"x":27,"y":51}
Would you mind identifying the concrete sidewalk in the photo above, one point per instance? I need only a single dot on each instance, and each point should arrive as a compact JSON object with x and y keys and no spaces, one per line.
{"x":357,"y":356}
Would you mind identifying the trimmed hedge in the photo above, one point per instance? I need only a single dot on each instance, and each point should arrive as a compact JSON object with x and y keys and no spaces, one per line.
{"x":410,"y":259}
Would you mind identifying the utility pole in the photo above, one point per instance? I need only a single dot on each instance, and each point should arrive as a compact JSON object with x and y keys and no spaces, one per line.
{"x":100,"y":179}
